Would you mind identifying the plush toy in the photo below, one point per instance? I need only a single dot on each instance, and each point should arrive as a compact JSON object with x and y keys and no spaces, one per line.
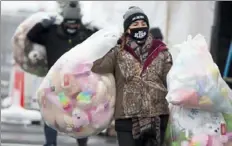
{"x":37,"y":54}
{"x":101,"y":115}
{"x":200,"y":140}
{"x":207,"y":140}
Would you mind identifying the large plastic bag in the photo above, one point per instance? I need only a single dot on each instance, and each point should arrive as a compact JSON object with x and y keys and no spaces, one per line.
{"x":31,"y":56}
{"x":194,"y":80}
{"x":192,"y":126}
{"x":74,"y":100}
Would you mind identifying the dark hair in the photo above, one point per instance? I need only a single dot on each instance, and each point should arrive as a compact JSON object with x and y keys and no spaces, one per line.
{"x":156,"y":33}
{"x":131,"y":7}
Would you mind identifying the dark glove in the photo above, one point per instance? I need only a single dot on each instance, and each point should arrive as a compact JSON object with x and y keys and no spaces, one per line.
{"x":48,"y":22}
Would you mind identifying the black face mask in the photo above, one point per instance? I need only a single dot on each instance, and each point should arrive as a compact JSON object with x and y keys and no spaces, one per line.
{"x":70,"y":30}
{"x":139,"y":34}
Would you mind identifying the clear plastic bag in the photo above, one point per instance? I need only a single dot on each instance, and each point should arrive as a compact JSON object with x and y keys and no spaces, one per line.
{"x":194,"y":80}
{"x":192,"y":126}
{"x":31,"y":57}
{"x":74,"y":100}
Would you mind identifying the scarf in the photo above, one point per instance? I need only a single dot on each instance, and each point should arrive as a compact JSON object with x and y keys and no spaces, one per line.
{"x":148,"y":128}
{"x":142,"y":51}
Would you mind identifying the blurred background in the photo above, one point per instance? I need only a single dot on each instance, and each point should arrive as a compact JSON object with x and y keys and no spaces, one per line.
{"x":176,"y":19}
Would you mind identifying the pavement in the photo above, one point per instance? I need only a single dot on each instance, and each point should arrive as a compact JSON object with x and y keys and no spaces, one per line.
{"x":32,"y":135}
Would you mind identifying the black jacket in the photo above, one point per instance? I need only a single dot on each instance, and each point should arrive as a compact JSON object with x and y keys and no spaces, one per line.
{"x":56,"y":41}
{"x":156,"y":33}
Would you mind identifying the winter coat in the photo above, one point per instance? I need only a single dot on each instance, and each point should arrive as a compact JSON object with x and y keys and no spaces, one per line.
{"x":140,"y":87}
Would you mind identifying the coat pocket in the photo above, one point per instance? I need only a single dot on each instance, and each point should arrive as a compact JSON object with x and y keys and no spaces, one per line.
{"x":132,"y":101}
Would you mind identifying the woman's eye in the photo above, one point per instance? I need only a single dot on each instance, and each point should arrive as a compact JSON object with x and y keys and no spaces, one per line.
{"x":135,"y":24}
{"x":144,"y":24}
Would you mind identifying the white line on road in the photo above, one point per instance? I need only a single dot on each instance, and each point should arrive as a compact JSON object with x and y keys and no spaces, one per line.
{"x":13,"y":144}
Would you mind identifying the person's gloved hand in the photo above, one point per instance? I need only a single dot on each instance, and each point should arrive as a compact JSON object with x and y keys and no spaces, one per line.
{"x":48,"y":22}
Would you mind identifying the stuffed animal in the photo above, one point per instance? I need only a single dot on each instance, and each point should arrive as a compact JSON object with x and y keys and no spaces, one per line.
{"x":37,"y":54}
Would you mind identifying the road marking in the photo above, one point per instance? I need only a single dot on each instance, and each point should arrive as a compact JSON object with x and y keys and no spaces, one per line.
{"x":13,"y":144}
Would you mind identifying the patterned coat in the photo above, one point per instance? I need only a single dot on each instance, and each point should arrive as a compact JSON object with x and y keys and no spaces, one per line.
{"x":140,"y":86}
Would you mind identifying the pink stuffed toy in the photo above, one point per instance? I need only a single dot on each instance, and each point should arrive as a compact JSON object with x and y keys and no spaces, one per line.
{"x":206,"y":140}
{"x":200,"y":140}
{"x":100,"y":115}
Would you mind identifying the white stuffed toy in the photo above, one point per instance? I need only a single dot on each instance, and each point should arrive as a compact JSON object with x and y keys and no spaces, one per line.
{"x":37,"y":54}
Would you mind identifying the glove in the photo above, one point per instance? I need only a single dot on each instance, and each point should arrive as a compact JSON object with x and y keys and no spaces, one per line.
{"x":48,"y":22}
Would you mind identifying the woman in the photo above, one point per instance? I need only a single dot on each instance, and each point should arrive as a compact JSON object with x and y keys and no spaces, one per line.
{"x":140,"y":65}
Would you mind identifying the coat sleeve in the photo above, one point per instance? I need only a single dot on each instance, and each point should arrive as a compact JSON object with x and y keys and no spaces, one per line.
{"x":36,"y":34}
{"x":167,"y":65}
{"x":106,"y":64}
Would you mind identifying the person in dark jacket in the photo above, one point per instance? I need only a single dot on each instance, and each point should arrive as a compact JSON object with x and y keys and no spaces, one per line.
{"x":59,"y":39}
{"x":156,"y":33}
{"x":140,"y":65}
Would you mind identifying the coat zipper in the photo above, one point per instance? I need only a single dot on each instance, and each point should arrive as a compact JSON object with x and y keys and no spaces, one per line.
{"x":148,"y":58}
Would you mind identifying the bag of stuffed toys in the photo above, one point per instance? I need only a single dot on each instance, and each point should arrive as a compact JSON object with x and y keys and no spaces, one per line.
{"x":31,"y":57}
{"x":194,"y":127}
{"x":194,"y":80}
{"x":199,"y":99}
{"x":73,"y":100}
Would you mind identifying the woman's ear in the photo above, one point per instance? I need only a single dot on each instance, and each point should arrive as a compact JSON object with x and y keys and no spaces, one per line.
{"x":128,"y":31}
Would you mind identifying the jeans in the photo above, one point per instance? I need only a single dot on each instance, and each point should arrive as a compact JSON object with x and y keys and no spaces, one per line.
{"x":51,"y":137}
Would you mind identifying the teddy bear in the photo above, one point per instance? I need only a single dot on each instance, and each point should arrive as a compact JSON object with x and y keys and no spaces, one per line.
{"x":78,"y":123}
{"x":80,"y":119}
{"x":37,"y":54}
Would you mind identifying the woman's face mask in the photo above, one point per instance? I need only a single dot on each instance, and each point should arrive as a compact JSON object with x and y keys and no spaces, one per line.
{"x":138,"y":30}
{"x":139,"y":34}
